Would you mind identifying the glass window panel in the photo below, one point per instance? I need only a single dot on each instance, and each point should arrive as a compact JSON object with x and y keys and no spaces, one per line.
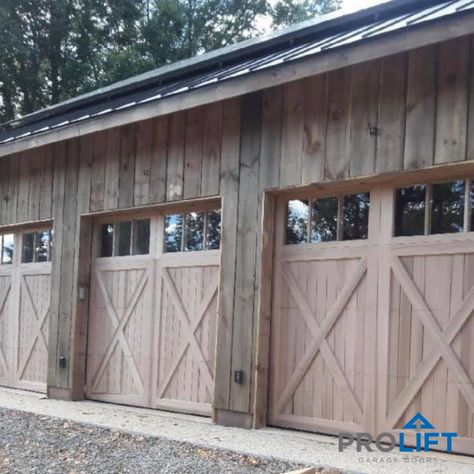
{"x":142,"y":237}
{"x":107,"y":240}
{"x":447,"y":207}
{"x":42,"y":246}
{"x":28,"y":244}
{"x":7,"y":249}
{"x":213,"y":237}
{"x":324,"y":220}
{"x":124,"y":238}
{"x":355,"y":216}
{"x":173,"y":232}
{"x":410,"y":211}
{"x":194,"y":231}
{"x":297,"y":221}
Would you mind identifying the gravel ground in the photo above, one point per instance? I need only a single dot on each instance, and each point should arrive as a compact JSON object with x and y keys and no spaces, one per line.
{"x":40,"y":444}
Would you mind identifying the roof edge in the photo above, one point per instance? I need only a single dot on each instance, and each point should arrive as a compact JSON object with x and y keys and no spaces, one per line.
{"x":338,"y":18}
{"x":395,"y":43}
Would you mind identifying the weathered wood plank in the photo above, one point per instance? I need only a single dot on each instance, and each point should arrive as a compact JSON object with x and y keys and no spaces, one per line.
{"x":230,"y":172}
{"x":315,"y":124}
{"x":175,"y":168}
{"x":292,"y":133}
{"x":127,"y":165}
{"x":270,"y":156}
{"x":144,"y":155}
{"x":67,"y":262}
{"x":82,"y":246}
{"x":98,"y":173}
{"x":391,"y":114}
{"x":112,"y":168}
{"x":419,"y":130}
{"x":338,"y":128}
{"x":46,"y":192}
{"x":452,"y":101}
{"x":364,"y":101}
{"x":211,"y":149}
{"x":159,"y":160}
{"x":242,"y":352}
{"x":23,"y":186}
{"x":4,"y":197}
{"x":34,"y":187}
{"x":193,"y":153}
{"x":59,"y":189}
{"x":264,"y":311}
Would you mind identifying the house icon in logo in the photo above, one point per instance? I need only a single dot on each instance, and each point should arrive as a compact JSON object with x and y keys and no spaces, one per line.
{"x":418,"y":422}
{"x":424,"y":441}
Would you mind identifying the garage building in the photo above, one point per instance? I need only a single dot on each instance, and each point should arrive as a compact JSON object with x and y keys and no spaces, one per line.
{"x":279,"y":232}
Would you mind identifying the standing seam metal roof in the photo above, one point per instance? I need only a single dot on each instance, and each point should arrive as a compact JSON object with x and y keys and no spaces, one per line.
{"x":155,"y":88}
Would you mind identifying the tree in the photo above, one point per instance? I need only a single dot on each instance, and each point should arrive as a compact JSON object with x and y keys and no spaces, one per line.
{"x":288,"y":12}
{"x":53,"y":50}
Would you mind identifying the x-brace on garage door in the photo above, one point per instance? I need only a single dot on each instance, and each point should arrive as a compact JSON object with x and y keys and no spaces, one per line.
{"x":373,"y":310}
{"x":153,"y":310}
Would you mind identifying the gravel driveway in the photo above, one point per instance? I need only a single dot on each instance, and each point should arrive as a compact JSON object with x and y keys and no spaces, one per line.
{"x":32,"y":443}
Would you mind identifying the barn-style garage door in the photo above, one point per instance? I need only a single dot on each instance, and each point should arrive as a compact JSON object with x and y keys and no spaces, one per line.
{"x":153,"y":310}
{"x":373,"y":310}
{"x":25,"y":281}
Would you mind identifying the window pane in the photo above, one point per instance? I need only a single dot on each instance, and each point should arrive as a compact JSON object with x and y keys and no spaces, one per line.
{"x":297,"y":221}
{"x":447,"y":211}
{"x":324,"y":220}
{"x":107,"y":240}
{"x":410,"y":211}
{"x":141,"y":237}
{"x":356,"y":216}
{"x":42,"y":246}
{"x":213,"y":229}
{"x":124,"y":236}
{"x":28,"y":241}
{"x":7,"y":249}
{"x":173,"y":232}
{"x":194,"y":231}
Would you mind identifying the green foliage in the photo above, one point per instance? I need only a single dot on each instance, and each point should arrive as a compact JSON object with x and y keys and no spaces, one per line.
{"x":288,"y":12}
{"x":53,"y":50}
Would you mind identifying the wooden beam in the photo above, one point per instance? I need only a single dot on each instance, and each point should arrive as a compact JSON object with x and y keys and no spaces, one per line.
{"x":355,"y":54}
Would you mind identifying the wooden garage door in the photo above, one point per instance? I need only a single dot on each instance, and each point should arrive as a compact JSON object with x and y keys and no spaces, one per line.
{"x":25,"y":279}
{"x":369,"y":329}
{"x":153,"y":312}
{"x":323,"y":312}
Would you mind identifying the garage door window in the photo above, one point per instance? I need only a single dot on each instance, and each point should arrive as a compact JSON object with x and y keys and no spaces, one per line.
{"x":7,"y":246}
{"x":431,"y":209}
{"x":123,"y":238}
{"x":36,"y":246}
{"x":192,"y":231}
{"x":331,"y":218}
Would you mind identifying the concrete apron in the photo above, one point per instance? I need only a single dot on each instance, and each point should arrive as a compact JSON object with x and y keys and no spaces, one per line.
{"x":310,"y":449}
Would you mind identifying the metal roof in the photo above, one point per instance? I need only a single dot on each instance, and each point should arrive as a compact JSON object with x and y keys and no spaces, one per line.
{"x":294,"y":44}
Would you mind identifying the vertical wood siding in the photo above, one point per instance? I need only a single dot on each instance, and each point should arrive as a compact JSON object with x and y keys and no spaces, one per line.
{"x":308,"y":131}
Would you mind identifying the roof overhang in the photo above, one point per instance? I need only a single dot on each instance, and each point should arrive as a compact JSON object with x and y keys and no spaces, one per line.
{"x":424,"y":35}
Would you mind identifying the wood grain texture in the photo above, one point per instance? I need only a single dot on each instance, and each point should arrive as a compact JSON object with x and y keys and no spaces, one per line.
{"x":229,"y":184}
{"x":391,"y":114}
{"x":247,"y":222}
{"x":364,"y":115}
{"x":338,"y":125}
{"x":452,"y":101}
{"x":421,"y":109}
